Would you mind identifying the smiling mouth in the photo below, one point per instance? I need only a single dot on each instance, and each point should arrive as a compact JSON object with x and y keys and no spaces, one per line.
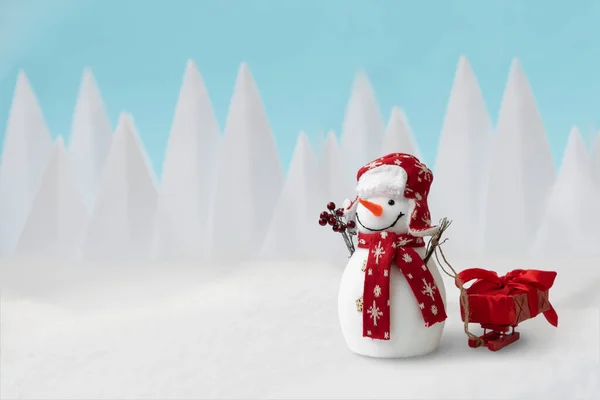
{"x":382,"y":229}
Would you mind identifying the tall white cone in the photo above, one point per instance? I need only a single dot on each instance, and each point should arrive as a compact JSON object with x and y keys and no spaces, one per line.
{"x":58,"y":215}
{"x":121,"y":226}
{"x":293,"y":231}
{"x":250,"y":176}
{"x":363,"y":127}
{"x":595,"y":159}
{"x":189,"y":173}
{"x":332,"y":170}
{"x":321,"y":142}
{"x":27,"y":146}
{"x":462,"y":163}
{"x":571,"y":218}
{"x":91,"y":136}
{"x":522,"y":171}
{"x":398,"y":137}
{"x":333,"y":173}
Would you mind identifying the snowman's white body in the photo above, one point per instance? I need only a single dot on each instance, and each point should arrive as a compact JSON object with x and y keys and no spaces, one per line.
{"x":409,"y":336}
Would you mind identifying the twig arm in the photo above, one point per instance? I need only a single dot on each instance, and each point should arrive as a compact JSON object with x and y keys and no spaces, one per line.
{"x":436,"y":239}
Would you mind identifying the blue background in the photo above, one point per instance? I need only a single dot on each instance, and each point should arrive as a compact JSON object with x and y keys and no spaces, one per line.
{"x":303,"y":55}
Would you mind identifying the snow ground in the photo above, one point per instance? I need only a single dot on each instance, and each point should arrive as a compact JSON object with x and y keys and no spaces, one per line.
{"x":266,"y":331}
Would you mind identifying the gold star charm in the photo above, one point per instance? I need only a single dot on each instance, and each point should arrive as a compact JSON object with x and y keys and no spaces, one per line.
{"x":359,"y":304}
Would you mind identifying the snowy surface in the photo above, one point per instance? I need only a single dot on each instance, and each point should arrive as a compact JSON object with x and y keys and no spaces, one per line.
{"x":265,"y":331}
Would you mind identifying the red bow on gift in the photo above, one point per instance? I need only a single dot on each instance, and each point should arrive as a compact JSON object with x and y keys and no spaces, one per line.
{"x":517,"y":281}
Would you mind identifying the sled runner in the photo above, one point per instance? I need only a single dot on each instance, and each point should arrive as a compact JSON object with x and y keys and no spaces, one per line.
{"x":495,"y":337}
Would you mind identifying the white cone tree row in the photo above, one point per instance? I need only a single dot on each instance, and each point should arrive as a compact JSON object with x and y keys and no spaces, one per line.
{"x":224,"y":197}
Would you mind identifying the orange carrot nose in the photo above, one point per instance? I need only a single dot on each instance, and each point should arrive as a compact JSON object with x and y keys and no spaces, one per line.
{"x":375,"y":209}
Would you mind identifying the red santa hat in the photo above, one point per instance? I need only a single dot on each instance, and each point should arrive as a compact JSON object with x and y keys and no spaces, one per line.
{"x":397,"y":175}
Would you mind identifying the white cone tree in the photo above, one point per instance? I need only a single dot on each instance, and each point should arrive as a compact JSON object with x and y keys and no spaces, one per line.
{"x":363,"y":127}
{"x":462,"y":162}
{"x":522,"y":171}
{"x":27,"y":146}
{"x":293,"y":231}
{"x":121,"y":226}
{"x":398,"y":137}
{"x":189,"y":173}
{"x":250,"y":177}
{"x":570,"y":224}
{"x":595,"y":159}
{"x":55,"y":223}
{"x":336,"y":179}
{"x":332,"y":170}
{"x":91,"y":136}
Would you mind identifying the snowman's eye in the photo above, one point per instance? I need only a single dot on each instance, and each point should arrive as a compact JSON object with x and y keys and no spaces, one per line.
{"x":391,"y":202}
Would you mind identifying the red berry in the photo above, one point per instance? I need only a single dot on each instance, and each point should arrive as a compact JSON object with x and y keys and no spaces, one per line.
{"x":322,"y":222}
{"x":350,"y":224}
{"x":339,"y":212}
{"x":331,"y":206}
{"x":324,"y":215}
{"x":336,"y":228}
{"x":332,"y":220}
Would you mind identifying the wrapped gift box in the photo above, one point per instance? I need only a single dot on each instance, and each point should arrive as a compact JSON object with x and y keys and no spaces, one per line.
{"x":510,"y":299}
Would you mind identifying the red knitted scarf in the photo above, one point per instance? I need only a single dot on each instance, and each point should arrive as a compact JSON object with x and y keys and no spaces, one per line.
{"x":386,"y":248}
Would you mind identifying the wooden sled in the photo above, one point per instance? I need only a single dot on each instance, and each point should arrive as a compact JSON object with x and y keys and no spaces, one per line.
{"x":496,"y":337}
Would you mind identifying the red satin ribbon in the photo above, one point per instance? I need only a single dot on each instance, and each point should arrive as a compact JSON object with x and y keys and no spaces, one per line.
{"x":517,"y":281}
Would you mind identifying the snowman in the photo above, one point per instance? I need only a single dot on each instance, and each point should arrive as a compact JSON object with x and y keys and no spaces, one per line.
{"x":391,"y":303}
